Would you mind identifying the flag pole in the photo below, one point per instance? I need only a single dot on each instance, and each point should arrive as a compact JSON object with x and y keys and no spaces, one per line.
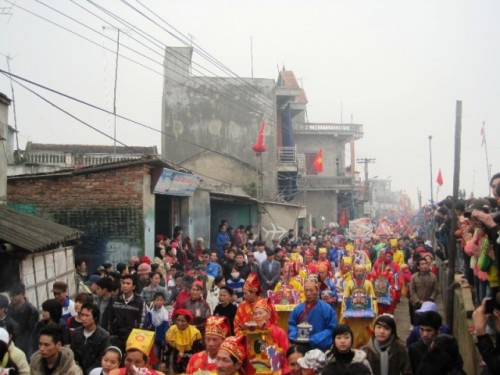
{"x":488,"y":169}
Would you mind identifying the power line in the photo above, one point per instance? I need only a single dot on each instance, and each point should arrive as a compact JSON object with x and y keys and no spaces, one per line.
{"x":180,"y":167}
{"x":229,"y":98}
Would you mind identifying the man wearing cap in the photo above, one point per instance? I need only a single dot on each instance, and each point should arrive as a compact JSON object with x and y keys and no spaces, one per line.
{"x":316,"y":312}
{"x":415,"y":332}
{"x":269,"y":272}
{"x":216,"y":330}
{"x":251,"y":294}
{"x":15,"y":355}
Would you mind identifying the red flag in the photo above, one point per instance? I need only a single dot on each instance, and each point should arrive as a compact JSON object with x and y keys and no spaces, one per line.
{"x":259,"y":147}
{"x":439,"y":179}
{"x":318,"y":161}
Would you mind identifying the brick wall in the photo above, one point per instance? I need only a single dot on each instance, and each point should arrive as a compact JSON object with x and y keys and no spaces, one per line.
{"x":107,"y":206}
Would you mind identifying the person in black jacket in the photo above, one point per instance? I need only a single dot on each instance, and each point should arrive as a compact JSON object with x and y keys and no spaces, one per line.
{"x":89,"y":341}
{"x":488,"y":351}
{"x":127,"y":312}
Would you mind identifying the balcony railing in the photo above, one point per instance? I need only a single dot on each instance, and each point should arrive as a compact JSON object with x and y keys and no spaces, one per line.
{"x":325,"y":183}
{"x":341,"y":129}
{"x":287,"y":155}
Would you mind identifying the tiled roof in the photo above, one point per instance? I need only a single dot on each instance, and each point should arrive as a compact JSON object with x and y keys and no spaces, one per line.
{"x":32,"y":233}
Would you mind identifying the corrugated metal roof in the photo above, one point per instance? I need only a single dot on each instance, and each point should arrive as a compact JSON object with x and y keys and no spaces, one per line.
{"x":32,"y":233}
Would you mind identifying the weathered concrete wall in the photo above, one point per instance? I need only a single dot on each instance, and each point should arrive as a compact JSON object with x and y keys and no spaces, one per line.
{"x":277,"y":219}
{"x":320,"y":204}
{"x":222,"y":114}
{"x":107,"y":206}
{"x":214,"y":168}
{"x":199,"y":214}
{"x":332,"y":149}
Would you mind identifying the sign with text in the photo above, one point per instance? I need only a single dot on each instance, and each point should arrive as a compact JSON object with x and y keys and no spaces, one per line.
{"x":176,"y":183}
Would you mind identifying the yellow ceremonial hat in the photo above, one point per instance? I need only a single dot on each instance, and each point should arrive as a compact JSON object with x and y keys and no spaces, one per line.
{"x":141,"y":340}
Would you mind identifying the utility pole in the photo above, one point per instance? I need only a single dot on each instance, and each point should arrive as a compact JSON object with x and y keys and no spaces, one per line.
{"x":118,"y":30}
{"x":452,"y":242}
{"x":365,"y":161}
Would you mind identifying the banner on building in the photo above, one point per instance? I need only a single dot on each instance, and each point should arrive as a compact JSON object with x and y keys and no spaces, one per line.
{"x":176,"y":183}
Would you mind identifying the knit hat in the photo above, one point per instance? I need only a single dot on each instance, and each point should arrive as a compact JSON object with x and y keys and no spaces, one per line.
{"x":4,"y":335}
{"x":145,"y":259}
{"x":314,"y":359}
{"x":143,"y":269}
{"x":184,"y":312}
{"x":387,"y":320}
{"x":427,"y":306}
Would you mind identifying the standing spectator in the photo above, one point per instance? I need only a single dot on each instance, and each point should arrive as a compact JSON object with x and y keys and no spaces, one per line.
{"x":213,"y":259}
{"x":489,"y":352}
{"x":260,"y":253}
{"x":157,"y":320}
{"x":142,"y":281}
{"x":385,"y":352}
{"x":270,"y":271}
{"x":60,"y":291}
{"x":228,"y":263}
{"x":236,"y":283}
{"x":226,"y":307}
{"x":15,"y":354}
{"x":442,"y":358}
{"x":210,"y":267}
{"x":52,"y":358}
{"x":127,"y":312}
{"x":240,"y":265}
{"x":213,"y":292}
{"x":51,"y":314}
{"x":89,"y":341}
{"x":6,"y":320}
{"x":81,"y":274}
{"x":26,"y":315}
{"x":221,"y":240}
{"x":252,"y":264}
{"x":423,"y":287}
{"x":430,"y":322}
{"x":103,"y":291}
{"x":154,"y":287}
{"x":198,"y":306}
{"x":342,"y":351}
{"x":74,"y":322}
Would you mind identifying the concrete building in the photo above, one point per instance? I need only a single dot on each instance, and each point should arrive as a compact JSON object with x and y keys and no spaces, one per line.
{"x":210,"y":125}
{"x":46,"y":157}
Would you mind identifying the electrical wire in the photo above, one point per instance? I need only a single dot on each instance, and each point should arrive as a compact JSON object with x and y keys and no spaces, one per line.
{"x":179,"y":167}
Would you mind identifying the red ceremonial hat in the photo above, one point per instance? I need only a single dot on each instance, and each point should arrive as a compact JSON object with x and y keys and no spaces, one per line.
{"x":185,"y":312}
{"x":218,"y":326}
{"x":267,"y":305}
{"x":252,"y":283}
{"x":236,"y":346}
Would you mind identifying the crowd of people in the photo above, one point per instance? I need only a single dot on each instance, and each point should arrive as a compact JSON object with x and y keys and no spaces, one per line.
{"x":305,"y":304}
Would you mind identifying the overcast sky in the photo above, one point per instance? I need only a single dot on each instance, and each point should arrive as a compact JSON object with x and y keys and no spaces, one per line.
{"x":397,"y":67}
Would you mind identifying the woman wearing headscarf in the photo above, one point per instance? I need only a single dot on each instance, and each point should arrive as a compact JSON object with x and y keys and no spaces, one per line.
{"x":385,"y":352}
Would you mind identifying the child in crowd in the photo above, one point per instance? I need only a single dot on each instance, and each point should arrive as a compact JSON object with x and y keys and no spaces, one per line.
{"x":235,"y":282}
{"x":157,"y":321}
{"x":111,"y":359}
{"x":342,"y":351}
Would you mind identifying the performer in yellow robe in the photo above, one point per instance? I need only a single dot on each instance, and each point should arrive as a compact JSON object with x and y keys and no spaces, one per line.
{"x":359,"y":307}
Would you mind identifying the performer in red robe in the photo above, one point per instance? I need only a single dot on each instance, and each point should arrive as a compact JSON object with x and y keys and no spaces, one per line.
{"x":251,"y":294}
{"x":216,"y":330}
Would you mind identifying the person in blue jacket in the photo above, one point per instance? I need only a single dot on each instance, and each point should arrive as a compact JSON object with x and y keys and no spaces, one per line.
{"x":317,"y":313}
